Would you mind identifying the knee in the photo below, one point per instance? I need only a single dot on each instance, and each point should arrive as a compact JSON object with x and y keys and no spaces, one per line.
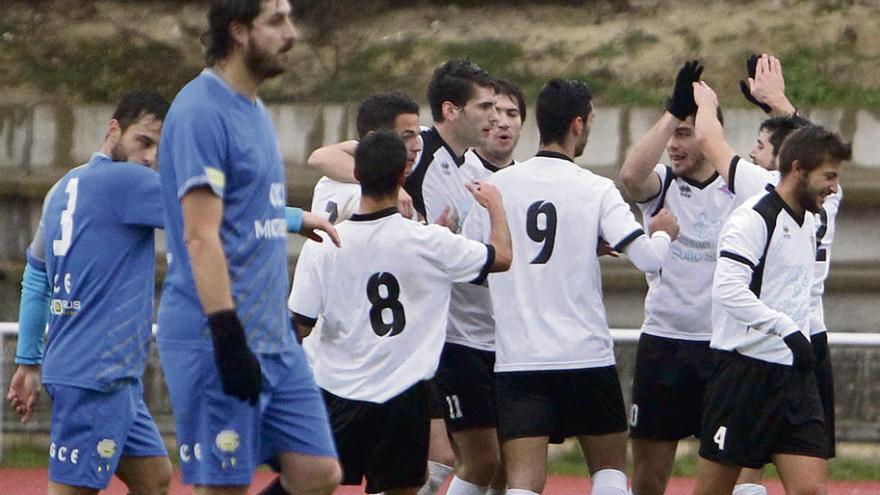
{"x":322,"y":479}
{"x":480,"y":470}
{"x":157,"y":483}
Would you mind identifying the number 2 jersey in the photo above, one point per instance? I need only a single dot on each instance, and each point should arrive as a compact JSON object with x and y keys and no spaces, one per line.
{"x":99,"y":226}
{"x":384,"y":297}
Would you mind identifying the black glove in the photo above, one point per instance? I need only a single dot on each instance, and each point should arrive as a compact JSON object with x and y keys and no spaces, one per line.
{"x":820,"y":346}
{"x":240,"y":372}
{"x":682,"y":103}
{"x":751,"y":67}
{"x":801,"y":351}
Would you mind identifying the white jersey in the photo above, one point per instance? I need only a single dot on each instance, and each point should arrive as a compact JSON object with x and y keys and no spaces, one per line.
{"x":763,"y":277}
{"x":437,"y":183}
{"x":384,"y":296}
{"x":749,"y":179}
{"x":337,"y":201}
{"x":548,"y":306}
{"x":679,"y":302}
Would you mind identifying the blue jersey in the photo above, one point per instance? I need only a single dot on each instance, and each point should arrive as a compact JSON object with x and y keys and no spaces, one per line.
{"x":100,"y":259}
{"x":216,"y":138}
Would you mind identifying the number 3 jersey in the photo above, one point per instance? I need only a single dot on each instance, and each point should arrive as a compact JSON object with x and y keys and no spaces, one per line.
{"x":100,"y":260}
{"x":548,"y":307}
{"x":384,"y":297}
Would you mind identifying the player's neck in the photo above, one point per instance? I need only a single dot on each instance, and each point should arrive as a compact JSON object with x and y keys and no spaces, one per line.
{"x":234,"y":71}
{"x":450,"y":139}
{"x":370,"y":204}
{"x":567,"y":150}
{"x":500,"y":161}
{"x":787,"y":190}
{"x":702,"y":173}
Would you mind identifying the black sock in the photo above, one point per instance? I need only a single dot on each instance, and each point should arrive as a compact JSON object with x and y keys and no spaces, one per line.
{"x":274,"y":488}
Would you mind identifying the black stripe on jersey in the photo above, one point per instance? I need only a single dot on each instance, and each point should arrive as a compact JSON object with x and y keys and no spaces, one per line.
{"x":768,"y":207}
{"x":627,"y":240}
{"x":701,"y":185}
{"x":554,"y":154}
{"x":667,"y":182}
{"x":736,"y":257}
{"x":385,"y":212}
{"x":821,"y":253}
{"x":731,"y":173}
{"x":431,"y":142}
{"x":486,"y":163}
{"x":490,"y":260}
{"x":304,"y":320}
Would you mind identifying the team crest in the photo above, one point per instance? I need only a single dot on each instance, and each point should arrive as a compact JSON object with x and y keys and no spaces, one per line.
{"x":106,"y":450}
{"x":685,"y":190}
{"x":227,"y":443}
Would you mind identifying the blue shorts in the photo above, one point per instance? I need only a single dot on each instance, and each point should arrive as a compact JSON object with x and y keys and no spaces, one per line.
{"x":91,"y":430}
{"x":223,"y":439}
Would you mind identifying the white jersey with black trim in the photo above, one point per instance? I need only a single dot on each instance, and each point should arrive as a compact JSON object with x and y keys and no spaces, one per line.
{"x":437,"y":183}
{"x":383,"y":296}
{"x":750,"y":179}
{"x":763,"y":277}
{"x":548,"y":307}
{"x":336,"y":201}
{"x":679,"y":302}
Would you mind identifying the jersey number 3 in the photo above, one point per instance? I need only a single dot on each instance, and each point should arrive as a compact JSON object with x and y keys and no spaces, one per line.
{"x":60,"y":246}
{"x":384,"y":293}
{"x":545,"y":234}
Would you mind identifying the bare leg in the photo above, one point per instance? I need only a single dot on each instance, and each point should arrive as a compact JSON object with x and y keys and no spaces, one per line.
{"x":714,"y":478}
{"x":525,"y":462}
{"x":801,"y":475}
{"x":652,"y":465}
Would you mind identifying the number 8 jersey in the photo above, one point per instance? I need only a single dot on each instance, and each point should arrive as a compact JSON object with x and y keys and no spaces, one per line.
{"x":548,"y":307}
{"x":384,"y":296}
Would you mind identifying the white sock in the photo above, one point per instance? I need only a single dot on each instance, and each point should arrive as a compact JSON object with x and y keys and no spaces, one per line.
{"x":459,"y":486}
{"x":749,"y":489}
{"x":519,"y":491}
{"x":609,"y":482}
{"x":437,"y":474}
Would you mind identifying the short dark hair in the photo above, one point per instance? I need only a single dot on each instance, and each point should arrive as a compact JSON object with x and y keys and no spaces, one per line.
{"x":507,"y":88}
{"x":135,"y":105}
{"x":217,"y":39}
{"x":379,"y":111}
{"x":379,"y":161}
{"x":779,"y":128}
{"x":812,"y":146}
{"x":559,"y":102}
{"x":455,"y":81}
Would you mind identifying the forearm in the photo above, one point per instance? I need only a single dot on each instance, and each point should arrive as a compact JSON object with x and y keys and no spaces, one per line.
{"x":335,"y":161}
{"x":210,"y":273}
{"x":649,"y":253}
{"x":780,"y":106}
{"x":637,"y":172}
{"x":710,"y":138}
{"x":499,"y":237}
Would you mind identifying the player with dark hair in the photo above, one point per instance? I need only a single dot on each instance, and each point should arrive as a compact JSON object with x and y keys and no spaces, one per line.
{"x":382,"y":336}
{"x":761,"y":316}
{"x":555,"y":373}
{"x":240,"y":387}
{"x":91,"y":265}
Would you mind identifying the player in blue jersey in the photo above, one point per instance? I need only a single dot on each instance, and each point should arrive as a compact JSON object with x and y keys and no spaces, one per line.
{"x":97,"y":250}
{"x":240,"y":387}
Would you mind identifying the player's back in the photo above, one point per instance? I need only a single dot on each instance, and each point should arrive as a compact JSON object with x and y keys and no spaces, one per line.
{"x":548,"y":306}
{"x":100,"y":253}
{"x":384,"y":296}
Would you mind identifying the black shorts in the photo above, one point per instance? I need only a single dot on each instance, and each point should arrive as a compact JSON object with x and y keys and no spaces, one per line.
{"x":386,"y":443}
{"x":755,"y":409}
{"x":668,"y":388}
{"x":466,"y":382}
{"x":436,"y":409}
{"x":825,"y":382}
{"x":559,"y":403}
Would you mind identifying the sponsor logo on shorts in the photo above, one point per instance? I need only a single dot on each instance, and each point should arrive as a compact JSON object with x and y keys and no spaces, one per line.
{"x":227,"y":442}
{"x":106,"y":450}
{"x":188,"y":453}
{"x":62,"y":453}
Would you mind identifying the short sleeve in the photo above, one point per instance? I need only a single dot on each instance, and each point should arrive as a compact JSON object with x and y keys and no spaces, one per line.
{"x":464,"y":260}
{"x":36,"y":251}
{"x":742,"y":238}
{"x":748,"y":179}
{"x":617,"y":224}
{"x":197,"y":142}
{"x":144,"y":204}
{"x":306,"y":297}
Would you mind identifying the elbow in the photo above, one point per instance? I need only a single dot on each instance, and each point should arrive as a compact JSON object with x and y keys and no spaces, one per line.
{"x":503,"y":260}
{"x":314,"y":161}
{"x":627,"y":179}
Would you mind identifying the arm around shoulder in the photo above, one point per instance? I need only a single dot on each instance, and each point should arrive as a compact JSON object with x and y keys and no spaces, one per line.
{"x":336,"y":161}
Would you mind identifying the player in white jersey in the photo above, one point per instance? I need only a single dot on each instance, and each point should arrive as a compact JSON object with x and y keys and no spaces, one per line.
{"x":382,"y":336}
{"x":761,"y":325}
{"x":555,"y":373}
{"x":673,"y":360}
{"x":337,"y":199}
{"x":465,"y":378}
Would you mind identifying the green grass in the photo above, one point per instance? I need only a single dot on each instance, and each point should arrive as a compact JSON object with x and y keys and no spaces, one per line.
{"x":811,"y":77}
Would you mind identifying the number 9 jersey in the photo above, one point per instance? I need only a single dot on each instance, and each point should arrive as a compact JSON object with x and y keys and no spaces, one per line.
{"x":548,"y":307}
{"x":384,"y":296}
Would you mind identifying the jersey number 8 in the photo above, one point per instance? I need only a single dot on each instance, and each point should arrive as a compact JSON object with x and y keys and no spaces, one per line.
{"x":382,"y":300}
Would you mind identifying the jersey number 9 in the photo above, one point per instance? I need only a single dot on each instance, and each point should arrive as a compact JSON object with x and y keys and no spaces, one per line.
{"x":545,"y":235}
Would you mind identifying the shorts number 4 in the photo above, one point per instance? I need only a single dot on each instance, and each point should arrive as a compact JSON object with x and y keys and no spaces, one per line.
{"x":719,"y":437}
